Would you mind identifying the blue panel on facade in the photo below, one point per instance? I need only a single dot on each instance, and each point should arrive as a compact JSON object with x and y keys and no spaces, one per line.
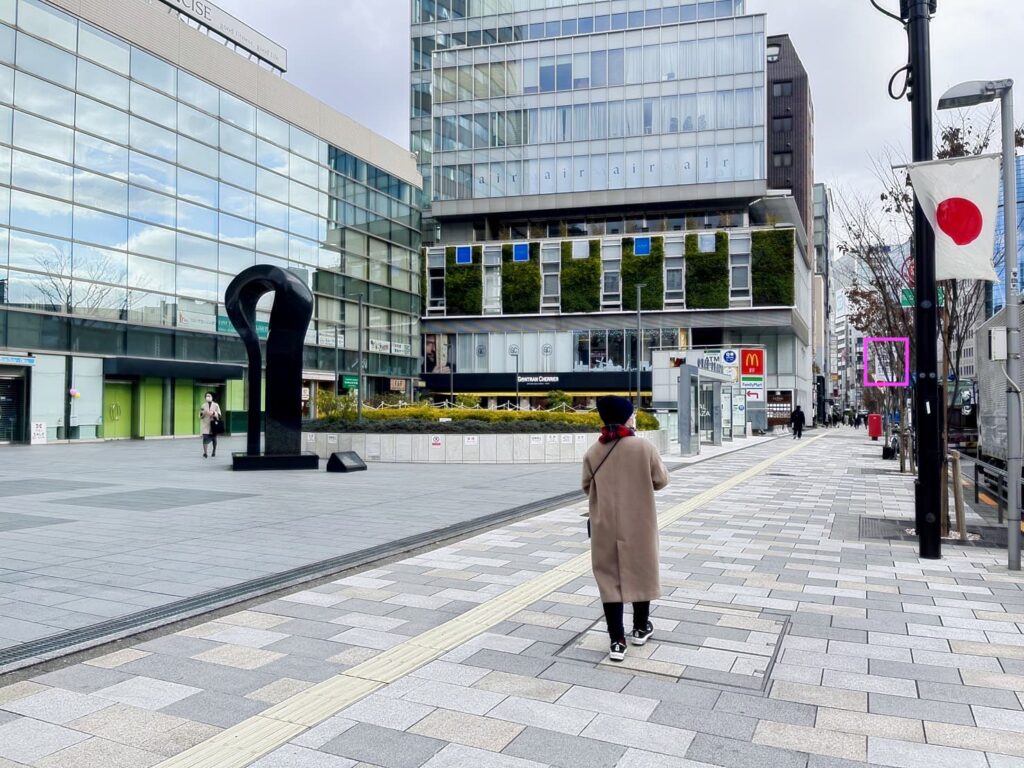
{"x":521,"y":252}
{"x":464,"y":255}
{"x":642,"y":246}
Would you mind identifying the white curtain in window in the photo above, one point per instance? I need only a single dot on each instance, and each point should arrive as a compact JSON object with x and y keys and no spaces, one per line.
{"x":744,"y":53}
{"x":599,"y":120}
{"x":759,"y":106}
{"x":563,"y":128}
{"x":652,"y":118}
{"x":634,"y":117}
{"x":670,"y":122}
{"x":669,"y":167}
{"x":688,"y":68}
{"x":688,"y":113}
{"x":547,"y":129}
{"x":533,"y":132}
{"x":705,"y":111}
{"x":634,"y":65}
{"x":598,"y":172}
{"x":547,"y":176}
{"x":651,"y":63}
{"x":581,"y":122}
{"x":669,"y":61}
{"x":634,"y":169}
{"x":725,"y":118}
{"x":616,"y":171}
{"x":615,"y":120}
{"x":580,"y":173}
{"x":706,"y":55}
{"x":744,"y":108}
{"x":744,"y":170}
{"x":725,"y":48}
{"x":725,"y":163}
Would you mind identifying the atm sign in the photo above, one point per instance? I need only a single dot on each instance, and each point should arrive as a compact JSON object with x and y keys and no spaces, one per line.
{"x":752,"y":361}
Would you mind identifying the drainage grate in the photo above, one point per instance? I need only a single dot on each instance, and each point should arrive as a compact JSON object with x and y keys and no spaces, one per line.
{"x":721,"y":645}
{"x":903,"y":530}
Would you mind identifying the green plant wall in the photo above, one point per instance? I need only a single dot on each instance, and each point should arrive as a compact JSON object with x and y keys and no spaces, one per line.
{"x":520,"y":282}
{"x":772,"y":267}
{"x":581,"y":279}
{"x":463,"y":284}
{"x":649,"y":270}
{"x":707,"y":274}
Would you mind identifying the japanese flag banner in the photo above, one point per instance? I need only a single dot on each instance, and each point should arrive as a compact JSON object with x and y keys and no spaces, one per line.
{"x":960,"y":198}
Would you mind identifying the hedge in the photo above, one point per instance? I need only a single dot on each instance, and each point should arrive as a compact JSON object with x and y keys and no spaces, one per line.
{"x":520,"y":283}
{"x":544,"y":420}
{"x":707,"y":274}
{"x":463,"y":284}
{"x":649,"y":270}
{"x":772,"y":254}
{"x":581,"y":279}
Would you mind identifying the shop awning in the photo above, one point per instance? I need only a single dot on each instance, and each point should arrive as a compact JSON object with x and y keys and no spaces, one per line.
{"x":171,"y":369}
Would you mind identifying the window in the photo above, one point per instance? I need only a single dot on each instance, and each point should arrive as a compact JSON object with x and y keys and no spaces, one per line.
{"x":773,"y":53}
{"x":740,"y":276}
{"x":782,"y":159}
{"x":781,"y":124}
{"x":706,"y":242}
{"x":782,"y":88}
{"x":551,"y":285}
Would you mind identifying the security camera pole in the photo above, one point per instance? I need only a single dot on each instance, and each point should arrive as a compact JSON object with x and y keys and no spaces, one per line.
{"x":917,"y":16}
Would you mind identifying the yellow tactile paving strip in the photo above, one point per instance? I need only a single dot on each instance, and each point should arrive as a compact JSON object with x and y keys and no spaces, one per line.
{"x":243,"y":744}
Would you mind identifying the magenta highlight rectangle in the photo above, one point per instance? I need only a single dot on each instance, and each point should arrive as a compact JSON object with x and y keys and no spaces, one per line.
{"x":868,"y":341}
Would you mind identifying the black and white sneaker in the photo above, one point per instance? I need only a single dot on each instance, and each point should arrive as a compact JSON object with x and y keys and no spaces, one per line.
{"x":618,"y":651}
{"x":641,"y":636}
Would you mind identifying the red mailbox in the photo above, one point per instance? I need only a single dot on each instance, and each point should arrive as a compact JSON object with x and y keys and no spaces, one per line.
{"x":874,"y":425}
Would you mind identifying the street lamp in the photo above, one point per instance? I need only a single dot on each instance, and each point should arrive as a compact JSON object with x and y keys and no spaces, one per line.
{"x":513,"y":351}
{"x":970,"y":94}
{"x":639,"y":342}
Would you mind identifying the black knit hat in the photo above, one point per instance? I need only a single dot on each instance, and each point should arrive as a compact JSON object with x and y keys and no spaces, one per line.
{"x":614,"y":409}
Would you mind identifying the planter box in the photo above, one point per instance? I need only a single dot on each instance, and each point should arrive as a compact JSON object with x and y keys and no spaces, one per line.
{"x":545,"y":448}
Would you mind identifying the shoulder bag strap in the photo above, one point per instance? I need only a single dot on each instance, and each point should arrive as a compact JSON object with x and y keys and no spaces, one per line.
{"x":592,"y":474}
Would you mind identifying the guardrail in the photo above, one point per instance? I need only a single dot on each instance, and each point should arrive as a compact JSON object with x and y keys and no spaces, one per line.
{"x":993,"y":480}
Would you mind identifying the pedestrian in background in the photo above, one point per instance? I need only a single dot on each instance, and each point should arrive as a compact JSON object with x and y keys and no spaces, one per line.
{"x":621,"y":472}
{"x":211,"y":421}
{"x":797,"y":421}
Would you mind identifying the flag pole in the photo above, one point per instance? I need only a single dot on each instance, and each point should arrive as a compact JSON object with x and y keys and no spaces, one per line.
{"x":917,"y":15}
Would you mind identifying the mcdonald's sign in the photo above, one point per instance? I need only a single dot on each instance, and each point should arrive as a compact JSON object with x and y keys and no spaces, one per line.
{"x":752,"y":362}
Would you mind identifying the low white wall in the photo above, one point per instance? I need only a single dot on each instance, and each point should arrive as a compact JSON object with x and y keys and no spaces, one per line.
{"x":563,"y":448}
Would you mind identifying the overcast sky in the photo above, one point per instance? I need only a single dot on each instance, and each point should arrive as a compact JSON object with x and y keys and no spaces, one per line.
{"x":354,"y":55}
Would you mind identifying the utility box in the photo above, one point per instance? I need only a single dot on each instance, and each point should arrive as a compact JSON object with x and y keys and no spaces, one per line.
{"x":997,"y":344}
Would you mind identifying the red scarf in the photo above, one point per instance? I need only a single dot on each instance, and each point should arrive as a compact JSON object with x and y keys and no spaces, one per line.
{"x":609,"y":434}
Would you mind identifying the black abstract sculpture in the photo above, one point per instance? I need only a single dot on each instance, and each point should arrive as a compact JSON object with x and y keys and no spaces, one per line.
{"x":289,"y":319}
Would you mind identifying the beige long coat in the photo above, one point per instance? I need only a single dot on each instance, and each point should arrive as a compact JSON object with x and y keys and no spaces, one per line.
{"x":623,"y":519}
{"x":206,"y":414}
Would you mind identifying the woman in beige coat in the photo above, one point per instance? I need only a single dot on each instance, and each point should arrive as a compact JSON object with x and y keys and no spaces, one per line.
{"x":620,"y":475}
{"x":210,"y":421}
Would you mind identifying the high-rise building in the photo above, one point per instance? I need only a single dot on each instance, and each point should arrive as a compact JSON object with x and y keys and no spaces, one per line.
{"x":148,"y":154}
{"x":580,"y":154}
{"x":791,"y":130}
{"x":822,"y":300}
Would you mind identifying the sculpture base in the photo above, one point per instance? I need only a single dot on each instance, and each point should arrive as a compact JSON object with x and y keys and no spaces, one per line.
{"x":242,"y":462}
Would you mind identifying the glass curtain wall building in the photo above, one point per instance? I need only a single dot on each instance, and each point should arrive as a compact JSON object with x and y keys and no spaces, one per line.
{"x":134,"y":186}
{"x":573,"y":151}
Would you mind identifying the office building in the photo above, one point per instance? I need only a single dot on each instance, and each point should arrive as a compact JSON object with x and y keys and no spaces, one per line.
{"x":146,"y":157}
{"x":791,"y":131}
{"x":824,"y":372}
{"x":580,"y":155}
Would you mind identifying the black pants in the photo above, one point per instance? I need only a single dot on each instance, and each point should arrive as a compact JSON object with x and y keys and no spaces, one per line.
{"x":207,"y":439}
{"x":613,"y":615}
{"x":798,"y":431}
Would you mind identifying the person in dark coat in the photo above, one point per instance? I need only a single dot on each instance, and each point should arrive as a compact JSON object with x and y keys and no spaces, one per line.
{"x":797,"y":421}
{"x":621,"y":472}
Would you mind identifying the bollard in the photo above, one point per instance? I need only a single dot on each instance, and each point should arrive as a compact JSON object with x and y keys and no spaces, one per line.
{"x":958,"y":497}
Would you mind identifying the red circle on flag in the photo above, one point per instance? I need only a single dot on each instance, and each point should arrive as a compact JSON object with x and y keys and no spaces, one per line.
{"x":959,"y":218}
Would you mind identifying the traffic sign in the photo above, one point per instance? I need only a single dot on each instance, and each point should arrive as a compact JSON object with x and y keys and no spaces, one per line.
{"x":350,"y":382}
{"x":907,"y":298}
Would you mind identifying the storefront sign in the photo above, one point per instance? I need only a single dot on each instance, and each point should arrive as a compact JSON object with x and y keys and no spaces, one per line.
{"x":471,"y":440}
{"x":350,"y":382}
{"x":401,"y":348}
{"x":17,"y":360}
{"x":329,"y":339}
{"x":384,"y":347}
{"x":537,"y":381}
{"x":752,"y":362}
{"x":262,"y":327}
{"x":536,"y":439}
{"x":398,"y":385}
{"x":706,"y":360}
{"x":223,"y":23}
{"x":38,"y":433}
{"x":305,"y":394}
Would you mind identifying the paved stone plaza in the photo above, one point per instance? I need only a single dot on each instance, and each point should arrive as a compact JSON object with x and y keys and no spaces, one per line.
{"x":93,"y":532}
{"x":781,"y":641}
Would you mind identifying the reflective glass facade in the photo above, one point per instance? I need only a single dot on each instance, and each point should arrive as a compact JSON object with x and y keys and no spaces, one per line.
{"x":132,"y":191}
{"x":576,"y":97}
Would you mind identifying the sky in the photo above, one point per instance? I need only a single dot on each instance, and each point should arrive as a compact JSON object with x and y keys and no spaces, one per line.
{"x":354,"y":55}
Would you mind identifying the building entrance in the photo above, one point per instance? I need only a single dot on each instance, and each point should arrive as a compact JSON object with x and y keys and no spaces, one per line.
{"x":12,"y":409}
